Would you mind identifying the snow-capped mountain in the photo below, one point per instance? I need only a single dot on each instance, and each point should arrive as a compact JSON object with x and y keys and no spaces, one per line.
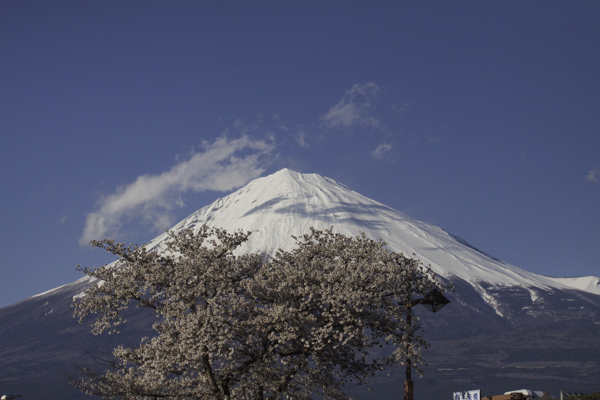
{"x":495,"y":310}
{"x":288,"y":203}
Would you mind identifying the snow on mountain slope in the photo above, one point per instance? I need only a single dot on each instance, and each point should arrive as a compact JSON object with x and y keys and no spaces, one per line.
{"x":589,"y":284}
{"x":288,"y":203}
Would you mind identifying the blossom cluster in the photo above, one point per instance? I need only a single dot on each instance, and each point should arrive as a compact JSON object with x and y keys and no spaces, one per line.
{"x":300,"y":324}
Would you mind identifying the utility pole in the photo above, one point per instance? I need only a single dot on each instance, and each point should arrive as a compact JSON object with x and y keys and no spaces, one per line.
{"x":434,"y":300}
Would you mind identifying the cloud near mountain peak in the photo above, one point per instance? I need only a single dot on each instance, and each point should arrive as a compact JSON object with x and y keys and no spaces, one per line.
{"x":223,"y":165}
{"x":354,"y":108}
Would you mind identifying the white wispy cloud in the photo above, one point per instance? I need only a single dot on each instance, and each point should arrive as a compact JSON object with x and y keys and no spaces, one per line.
{"x":301,"y":137}
{"x":593,"y":175}
{"x":382,"y":151}
{"x":223,"y":165}
{"x":355,"y":108}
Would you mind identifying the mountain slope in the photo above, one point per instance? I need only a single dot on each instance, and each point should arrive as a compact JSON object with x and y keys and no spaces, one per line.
{"x":288,"y":203}
{"x":506,"y":328}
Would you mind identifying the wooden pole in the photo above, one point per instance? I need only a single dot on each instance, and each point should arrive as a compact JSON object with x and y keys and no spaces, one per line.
{"x":408,"y":384}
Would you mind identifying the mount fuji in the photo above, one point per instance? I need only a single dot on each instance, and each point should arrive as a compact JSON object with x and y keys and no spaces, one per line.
{"x":506,"y":328}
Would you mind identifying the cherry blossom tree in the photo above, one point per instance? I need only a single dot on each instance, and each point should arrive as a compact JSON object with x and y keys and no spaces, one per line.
{"x":229,"y":326}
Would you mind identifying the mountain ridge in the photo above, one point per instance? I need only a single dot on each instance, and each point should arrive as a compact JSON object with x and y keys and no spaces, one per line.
{"x":331,"y":204}
{"x":287,"y":203}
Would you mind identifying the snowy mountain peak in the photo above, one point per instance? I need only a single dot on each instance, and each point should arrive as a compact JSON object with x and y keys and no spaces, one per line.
{"x":287,"y":203}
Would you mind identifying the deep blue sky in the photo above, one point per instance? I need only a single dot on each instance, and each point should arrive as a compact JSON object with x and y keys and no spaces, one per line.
{"x":479,"y":117}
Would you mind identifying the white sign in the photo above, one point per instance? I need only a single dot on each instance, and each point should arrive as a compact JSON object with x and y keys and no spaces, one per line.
{"x":470,"y":395}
